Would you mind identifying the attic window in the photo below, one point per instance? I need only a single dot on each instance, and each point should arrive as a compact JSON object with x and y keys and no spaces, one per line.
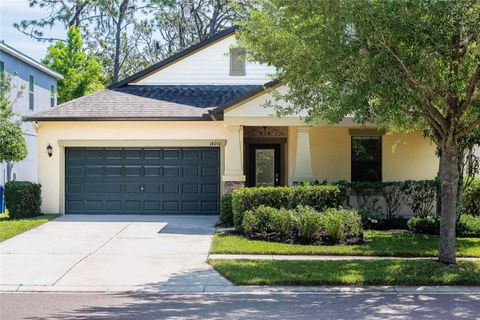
{"x":237,"y":62}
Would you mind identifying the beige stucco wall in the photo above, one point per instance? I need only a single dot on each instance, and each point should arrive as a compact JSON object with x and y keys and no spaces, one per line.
{"x":110,"y":134}
{"x":404,"y":156}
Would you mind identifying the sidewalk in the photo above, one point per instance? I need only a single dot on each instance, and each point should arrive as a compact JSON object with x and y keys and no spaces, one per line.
{"x":315,"y":257}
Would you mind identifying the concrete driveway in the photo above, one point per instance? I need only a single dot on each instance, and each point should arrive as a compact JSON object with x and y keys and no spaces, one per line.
{"x":111,"y":253}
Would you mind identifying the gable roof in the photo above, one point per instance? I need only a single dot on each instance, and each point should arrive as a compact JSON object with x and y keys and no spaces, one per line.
{"x":218,"y":36}
{"x":28,"y":60}
{"x":147,"y":103}
{"x":245,"y":96}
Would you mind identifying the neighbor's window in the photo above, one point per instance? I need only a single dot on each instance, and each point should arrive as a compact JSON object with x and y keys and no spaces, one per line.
{"x":2,"y":76}
{"x":237,"y":62}
{"x":52,"y":96}
{"x":31,"y":93}
{"x":366,"y":158}
{"x":2,"y":71}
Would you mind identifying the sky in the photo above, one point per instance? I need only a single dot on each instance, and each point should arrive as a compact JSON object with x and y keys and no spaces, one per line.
{"x":12,"y":11}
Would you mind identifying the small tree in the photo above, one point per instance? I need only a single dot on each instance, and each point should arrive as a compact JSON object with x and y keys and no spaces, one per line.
{"x":83,"y":73}
{"x":13,"y":146}
{"x":406,"y":64}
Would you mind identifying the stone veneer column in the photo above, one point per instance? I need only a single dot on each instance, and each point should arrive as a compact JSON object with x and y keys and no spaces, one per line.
{"x":234,"y":176}
{"x":303,"y":162}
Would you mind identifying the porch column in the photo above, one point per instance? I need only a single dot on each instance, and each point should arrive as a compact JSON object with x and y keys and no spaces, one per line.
{"x":303,"y":162}
{"x":234,"y":176}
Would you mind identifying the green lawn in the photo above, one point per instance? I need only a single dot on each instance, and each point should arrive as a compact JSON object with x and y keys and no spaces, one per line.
{"x":10,"y":228}
{"x":378,"y":243}
{"x":365,"y":272}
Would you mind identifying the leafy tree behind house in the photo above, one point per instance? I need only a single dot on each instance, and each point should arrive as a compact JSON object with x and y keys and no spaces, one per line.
{"x":83,"y":73}
{"x":13,"y":146}
{"x":406,"y":64}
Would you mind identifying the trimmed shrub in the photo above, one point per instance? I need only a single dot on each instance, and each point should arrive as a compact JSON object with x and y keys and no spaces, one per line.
{"x":468,"y":226}
{"x":420,"y":196}
{"x":23,"y":199}
{"x":424,"y":225}
{"x":269,"y":224}
{"x":318,"y":197}
{"x":341,"y":226}
{"x":303,"y":225}
{"x":368,"y":195}
{"x":471,"y":199}
{"x":394,"y":198}
{"x":309,"y":225}
{"x":226,"y":213}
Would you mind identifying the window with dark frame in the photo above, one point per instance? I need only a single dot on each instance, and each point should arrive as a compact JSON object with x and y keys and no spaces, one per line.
{"x":31,"y":92}
{"x":366,"y":158}
{"x":237,"y":62}
{"x":2,"y":77}
{"x":52,"y":96}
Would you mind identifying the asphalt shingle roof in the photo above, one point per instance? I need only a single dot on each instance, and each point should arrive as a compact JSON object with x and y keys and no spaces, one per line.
{"x":148,"y":102}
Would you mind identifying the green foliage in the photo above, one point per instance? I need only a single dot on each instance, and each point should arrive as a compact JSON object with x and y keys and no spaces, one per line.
{"x":303,"y":225}
{"x":23,"y":199}
{"x":13,"y":146}
{"x":467,"y":225}
{"x":309,"y":224}
{"x":424,"y":225}
{"x":317,"y":197}
{"x":12,"y":142}
{"x":341,"y":226}
{"x":83,"y":73}
{"x":388,"y":62}
{"x":471,"y":198}
{"x":407,"y":65}
{"x":368,"y":197}
{"x":420,"y":196}
{"x":226,"y":213}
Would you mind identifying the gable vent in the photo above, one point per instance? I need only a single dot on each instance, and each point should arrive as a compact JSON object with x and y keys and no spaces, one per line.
{"x":237,"y":62}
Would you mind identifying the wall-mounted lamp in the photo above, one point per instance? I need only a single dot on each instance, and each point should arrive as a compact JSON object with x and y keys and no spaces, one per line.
{"x":49,"y":150}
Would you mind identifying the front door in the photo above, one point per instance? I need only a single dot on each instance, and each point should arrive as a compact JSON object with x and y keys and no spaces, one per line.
{"x":264,"y":165}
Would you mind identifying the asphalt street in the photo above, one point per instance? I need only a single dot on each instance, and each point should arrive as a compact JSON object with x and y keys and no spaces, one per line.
{"x":250,"y":306}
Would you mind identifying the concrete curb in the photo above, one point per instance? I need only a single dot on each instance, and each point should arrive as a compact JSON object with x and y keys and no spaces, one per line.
{"x":316,"y":257}
{"x":231,"y":289}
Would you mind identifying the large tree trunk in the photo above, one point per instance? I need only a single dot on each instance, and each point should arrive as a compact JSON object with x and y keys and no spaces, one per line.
{"x":449,"y":189}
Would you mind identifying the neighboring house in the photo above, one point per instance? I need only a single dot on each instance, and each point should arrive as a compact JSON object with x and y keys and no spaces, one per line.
{"x":38,"y":87}
{"x":175,"y":136}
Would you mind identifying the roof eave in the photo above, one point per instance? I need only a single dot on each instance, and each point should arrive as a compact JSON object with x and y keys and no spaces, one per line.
{"x":249,"y":94}
{"x":205,"y":117}
{"x":23,"y":57}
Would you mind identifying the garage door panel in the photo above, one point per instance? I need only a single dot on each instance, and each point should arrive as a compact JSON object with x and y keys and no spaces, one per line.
{"x":136,"y":180}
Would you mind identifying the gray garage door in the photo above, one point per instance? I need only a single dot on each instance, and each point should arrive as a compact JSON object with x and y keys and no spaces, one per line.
{"x":142,"y":180}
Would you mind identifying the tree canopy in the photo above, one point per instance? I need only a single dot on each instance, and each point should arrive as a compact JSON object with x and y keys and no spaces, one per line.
{"x":405,"y":65}
{"x":82,"y":73}
{"x":13,"y":146}
{"x":129,"y":35}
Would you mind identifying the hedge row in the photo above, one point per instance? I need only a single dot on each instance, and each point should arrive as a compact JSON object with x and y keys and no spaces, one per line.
{"x":467,"y":225}
{"x":471,"y":198}
{"x":316,"y":197}
{"x":303,"y":225}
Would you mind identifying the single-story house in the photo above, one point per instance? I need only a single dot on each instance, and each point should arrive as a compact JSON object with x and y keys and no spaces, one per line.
{"x":172,"y":138}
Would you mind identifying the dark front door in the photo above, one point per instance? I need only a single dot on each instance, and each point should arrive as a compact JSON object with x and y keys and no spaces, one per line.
{"x":265,"y":167}
{"x":142,"y":180}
